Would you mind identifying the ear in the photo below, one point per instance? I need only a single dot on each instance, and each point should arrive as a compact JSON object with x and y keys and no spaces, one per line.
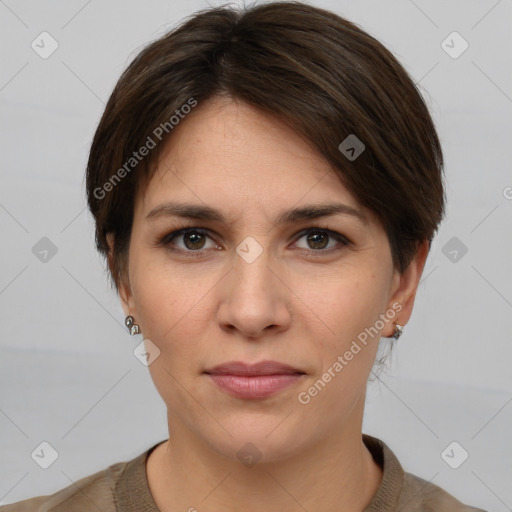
{"x":404,"y":287}
{"x":123,"y":285}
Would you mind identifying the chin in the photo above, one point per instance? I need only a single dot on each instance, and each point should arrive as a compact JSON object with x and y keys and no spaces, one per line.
{"x":251,"y":443}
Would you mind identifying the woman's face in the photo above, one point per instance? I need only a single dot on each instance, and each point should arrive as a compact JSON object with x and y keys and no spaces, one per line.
{"x":257,"y":287}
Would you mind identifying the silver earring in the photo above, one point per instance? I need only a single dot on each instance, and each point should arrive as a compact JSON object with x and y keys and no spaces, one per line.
{"x":133,"y":328}
{"x":399,"y":329}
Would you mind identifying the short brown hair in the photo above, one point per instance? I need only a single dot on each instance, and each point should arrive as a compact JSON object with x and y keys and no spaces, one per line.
{"x":316,"y":71}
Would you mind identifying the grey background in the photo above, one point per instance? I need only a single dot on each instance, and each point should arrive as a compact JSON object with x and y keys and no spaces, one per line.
{"x":68,"y":375}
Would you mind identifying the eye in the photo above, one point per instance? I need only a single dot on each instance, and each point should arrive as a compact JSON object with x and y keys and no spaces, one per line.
{"x":317,"y":240}
{"x":193,"y":240}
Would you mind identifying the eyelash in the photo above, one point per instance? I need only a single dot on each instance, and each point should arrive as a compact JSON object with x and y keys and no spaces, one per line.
{"x":168,"y":238}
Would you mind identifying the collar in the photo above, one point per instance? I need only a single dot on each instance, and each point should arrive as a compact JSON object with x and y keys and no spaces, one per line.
{"x":132,"y":493}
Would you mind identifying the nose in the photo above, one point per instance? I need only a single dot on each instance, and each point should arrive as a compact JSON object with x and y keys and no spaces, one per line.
{"x":255,"y":299}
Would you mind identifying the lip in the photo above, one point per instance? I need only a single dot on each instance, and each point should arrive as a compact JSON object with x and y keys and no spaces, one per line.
{"x":250,"y":381}
{"x":253,"y":369}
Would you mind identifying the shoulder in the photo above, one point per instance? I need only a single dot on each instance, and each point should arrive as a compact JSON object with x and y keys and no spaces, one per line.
{"x":95,"y":491}
{"x":404,"y":491}
{"x":419,"y":495}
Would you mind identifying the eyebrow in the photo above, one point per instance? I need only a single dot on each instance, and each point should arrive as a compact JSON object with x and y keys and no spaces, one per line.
{"x":203,"y":212}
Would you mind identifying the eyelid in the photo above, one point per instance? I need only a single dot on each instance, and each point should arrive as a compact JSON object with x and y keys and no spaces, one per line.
{"x":335,"y":234}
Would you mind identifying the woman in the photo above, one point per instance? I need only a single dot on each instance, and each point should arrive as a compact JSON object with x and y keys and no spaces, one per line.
{"x":265,"y":185}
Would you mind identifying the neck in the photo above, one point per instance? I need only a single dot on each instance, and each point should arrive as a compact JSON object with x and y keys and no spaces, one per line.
{"x":335,"y":473}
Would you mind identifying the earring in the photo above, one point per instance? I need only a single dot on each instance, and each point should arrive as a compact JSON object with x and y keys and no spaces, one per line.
{"x":133,"y":328}
{"x":399,"y":329}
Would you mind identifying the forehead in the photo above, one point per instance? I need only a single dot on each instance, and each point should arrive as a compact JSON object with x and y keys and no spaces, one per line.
{"x":235,"y":157}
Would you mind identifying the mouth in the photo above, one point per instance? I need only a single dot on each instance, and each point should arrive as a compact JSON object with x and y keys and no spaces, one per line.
{"x":253,"y":381}
{"x":242,"y":369}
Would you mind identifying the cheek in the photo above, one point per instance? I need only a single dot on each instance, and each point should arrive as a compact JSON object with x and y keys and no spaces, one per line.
{"x":172,"y":315}
{"x":172,"y":307}
{"x":343,"y":305}
{"x":349,"y":307}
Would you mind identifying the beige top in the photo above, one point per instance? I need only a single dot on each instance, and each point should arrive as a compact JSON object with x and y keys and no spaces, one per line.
{"x":123,"y":487}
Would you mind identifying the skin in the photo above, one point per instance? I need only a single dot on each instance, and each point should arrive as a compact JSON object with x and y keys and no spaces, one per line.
{"x":293,"y":303}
